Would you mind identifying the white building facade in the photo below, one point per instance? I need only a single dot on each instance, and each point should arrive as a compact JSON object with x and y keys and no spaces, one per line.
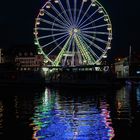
{"x":29,"y":62}
{"x":122,"y":68}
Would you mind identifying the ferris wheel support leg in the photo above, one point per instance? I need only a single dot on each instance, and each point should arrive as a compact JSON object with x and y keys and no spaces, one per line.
{"x":60,"y":55}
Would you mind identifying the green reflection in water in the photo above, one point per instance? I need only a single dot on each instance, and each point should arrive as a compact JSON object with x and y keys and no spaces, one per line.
{"x":43,"y":111}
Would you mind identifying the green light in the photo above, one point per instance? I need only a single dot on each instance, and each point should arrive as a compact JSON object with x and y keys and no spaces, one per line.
{"x":60,"y":55}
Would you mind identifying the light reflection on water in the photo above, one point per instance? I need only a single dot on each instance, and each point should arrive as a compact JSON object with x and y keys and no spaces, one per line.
{"x":68,"y":115}
{"x":123,"y":104}
{"x":138,"y":98}
{"x":71,"y":118}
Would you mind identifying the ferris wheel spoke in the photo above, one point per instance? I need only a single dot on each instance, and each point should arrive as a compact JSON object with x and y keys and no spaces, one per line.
{"x":51,"y":23}
{"x":93,"y":32}
{"x":69,"y":11}
{"x":79,"y":12}
{"x":95,"y":38}
{"x":73,"y":52}
{"x":93,"y":44}
{"x":82,"y":49}
{"x":91,"y":22}
{"x":95,"y":27}
{"x":55,"y":40}
{"x":52,"y":35}
{"x":60,"y":55}
{"x":75,"y":7}
{"x":96,"y":57}
{"x":57,"y":46}
{"x":101,"y":40}
{"x":79,"y":55}
{"x":69,"y":46}
{"x":89,"y":17}
{"x":84,"y":15}
{"x":64,"y":11}
{"x":81,"y":52}
{"x":55,"y":18}
{"x":50,"y":29}
{"x":90,"y":50}
{"x":64,"y":19}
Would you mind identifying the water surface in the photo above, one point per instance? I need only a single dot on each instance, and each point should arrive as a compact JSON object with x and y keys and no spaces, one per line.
{"x":48,"y":114}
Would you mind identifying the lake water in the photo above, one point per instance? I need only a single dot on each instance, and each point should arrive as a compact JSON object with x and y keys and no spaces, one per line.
{"x":47,"y":114}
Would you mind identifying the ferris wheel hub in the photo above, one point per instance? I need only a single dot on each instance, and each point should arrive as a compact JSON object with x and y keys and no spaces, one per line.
{"x":73,"y":31}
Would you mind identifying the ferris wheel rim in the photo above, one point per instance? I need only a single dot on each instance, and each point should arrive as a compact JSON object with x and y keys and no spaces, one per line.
{"x":84,"y":30}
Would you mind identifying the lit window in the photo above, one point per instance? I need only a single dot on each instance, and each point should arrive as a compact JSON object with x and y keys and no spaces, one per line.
{"x":138,"y":72}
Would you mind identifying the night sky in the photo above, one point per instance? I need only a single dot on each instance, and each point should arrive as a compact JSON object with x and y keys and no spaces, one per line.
{"x":17,"y":22}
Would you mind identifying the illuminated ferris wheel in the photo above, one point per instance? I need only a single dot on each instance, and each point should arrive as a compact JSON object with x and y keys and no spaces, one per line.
{"x":73,"y":32}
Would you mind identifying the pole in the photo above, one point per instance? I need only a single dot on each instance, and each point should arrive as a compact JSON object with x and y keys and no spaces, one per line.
{"x":130,"y":51}
{"x":130,"y":55}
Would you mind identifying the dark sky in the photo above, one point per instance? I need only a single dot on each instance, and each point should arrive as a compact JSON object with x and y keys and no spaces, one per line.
{"x":17,"y":22}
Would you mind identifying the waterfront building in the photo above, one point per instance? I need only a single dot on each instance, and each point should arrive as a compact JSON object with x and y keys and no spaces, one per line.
{"x":134,"y":66}
{"x":7,"y":56}
{"x":124,"y":67}
{"x":28,"y":61}
{"x":23,"y":58}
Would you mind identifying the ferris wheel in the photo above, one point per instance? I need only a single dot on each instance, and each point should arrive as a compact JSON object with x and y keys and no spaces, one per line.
{"x":73,"y":32}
